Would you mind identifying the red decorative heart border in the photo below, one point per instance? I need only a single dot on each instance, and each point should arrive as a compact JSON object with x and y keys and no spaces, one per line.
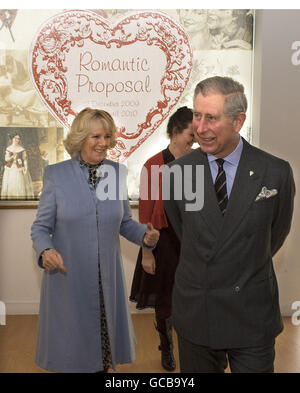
{"x":71,"y":28}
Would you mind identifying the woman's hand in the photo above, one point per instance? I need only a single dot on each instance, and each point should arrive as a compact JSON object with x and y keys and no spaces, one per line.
{"x":53,"y":260}
{"x":151,"y":236}
{"x":148,"y":262}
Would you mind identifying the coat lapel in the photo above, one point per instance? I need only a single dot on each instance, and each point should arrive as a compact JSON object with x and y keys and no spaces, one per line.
{"x":82,"y":185}
{"x":246,"y":186}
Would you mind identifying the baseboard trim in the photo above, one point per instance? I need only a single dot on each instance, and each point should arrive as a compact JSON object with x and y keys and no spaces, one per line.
{"x":19,"y":308}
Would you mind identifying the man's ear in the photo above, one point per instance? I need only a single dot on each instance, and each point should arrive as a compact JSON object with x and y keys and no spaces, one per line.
{"x":238,"y":122}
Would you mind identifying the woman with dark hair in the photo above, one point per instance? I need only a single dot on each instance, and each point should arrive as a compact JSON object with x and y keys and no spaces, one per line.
{"x":154,"y":272}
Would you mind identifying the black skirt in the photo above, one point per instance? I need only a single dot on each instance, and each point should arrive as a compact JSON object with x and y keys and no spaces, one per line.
{"x":149,"y":290}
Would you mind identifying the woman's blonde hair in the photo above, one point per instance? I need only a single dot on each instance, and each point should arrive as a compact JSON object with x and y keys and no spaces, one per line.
{"x":81,"y":127}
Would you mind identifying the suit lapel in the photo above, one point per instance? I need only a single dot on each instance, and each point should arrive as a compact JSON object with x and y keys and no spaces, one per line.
{"x":246,"y":186}
{"x":211,"y":212}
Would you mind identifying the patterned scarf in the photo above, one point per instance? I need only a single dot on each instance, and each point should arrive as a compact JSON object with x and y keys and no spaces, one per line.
{"x":93,"y":169}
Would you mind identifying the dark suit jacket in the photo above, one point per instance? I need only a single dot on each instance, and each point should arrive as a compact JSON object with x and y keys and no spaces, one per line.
{"x":226,"y":293}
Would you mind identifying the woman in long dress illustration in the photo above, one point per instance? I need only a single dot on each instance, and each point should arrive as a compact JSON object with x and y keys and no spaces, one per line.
{"x":16,"y":183}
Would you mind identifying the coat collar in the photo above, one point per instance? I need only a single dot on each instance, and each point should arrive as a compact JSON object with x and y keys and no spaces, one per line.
{"x":83,"y":186}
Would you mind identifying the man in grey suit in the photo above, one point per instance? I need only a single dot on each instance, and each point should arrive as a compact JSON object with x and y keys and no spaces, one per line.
{"x":225,"y":297}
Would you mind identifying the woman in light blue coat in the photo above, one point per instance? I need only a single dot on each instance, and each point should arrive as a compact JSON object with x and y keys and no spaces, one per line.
{"x":84,"y":323}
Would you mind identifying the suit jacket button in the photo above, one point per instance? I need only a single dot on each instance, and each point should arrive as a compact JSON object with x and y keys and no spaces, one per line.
{"x":237,"y":289}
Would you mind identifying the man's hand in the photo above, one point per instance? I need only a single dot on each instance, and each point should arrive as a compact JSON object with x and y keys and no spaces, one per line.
{"x":53,"y":260}
{"x":151,"y":236}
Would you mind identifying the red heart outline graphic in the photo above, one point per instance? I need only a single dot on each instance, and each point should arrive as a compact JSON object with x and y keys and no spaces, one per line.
{"x":67,"y":49}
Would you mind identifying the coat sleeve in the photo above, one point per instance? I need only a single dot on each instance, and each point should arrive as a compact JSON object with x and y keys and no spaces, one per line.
{"x":283,"y":217}
{"x":44,"y":224}
{"x":131,"y":229}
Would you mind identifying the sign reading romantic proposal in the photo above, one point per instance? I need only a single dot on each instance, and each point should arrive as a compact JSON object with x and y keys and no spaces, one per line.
{"x":135,"y":69}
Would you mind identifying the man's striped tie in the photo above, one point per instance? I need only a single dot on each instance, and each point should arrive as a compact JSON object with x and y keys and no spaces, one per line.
{"x":220,"y":186}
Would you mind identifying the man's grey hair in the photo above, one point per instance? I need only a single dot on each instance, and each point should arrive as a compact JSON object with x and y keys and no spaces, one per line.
{"x":235,"y":100}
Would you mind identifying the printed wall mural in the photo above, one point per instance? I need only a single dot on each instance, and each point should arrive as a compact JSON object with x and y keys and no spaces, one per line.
{"x":139,"y":66}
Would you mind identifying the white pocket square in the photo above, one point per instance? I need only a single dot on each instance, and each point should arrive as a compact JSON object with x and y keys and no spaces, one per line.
{"x":265,"y":193}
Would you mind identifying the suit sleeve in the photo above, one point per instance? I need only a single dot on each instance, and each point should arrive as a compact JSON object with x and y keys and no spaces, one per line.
{"x":44,"y":224}
{"x":283,"y":216}
{"x":171,"y":205}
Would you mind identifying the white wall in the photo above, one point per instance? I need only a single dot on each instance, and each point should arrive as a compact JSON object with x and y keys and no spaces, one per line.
{"x":276,"y":121}
{"x":276,"y":109}
{"x":20,"y":277}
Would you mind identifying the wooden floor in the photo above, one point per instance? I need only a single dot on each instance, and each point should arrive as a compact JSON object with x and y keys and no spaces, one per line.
{"x":18,"y":340}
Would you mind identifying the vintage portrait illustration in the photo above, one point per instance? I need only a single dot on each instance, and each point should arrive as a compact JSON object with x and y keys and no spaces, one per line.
{"x":30,"y":138}
{"x":19,"y":103}
{"x":24,"y":153}
{"x":218,"y":29}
